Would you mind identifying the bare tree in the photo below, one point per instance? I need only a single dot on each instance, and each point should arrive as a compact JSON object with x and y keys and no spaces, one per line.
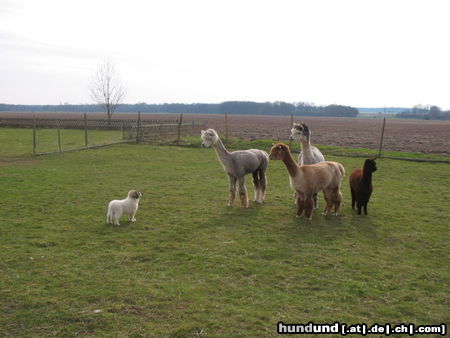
{"x":106,"y":88}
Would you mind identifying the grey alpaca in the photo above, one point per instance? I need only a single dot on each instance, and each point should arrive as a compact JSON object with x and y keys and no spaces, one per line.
{"x":239,"y":163}
{"x":309,"y":154}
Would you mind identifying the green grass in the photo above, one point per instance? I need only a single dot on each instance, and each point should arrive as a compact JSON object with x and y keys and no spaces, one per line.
{"x":190,"y":266}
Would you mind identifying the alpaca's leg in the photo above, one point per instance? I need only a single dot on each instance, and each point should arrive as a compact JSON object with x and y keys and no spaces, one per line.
{"x":359,"y":206}
{"x":353,"y":197}
{"x":337,"y":203}
{"x":263,"y":185}
{"x":257,"y":186}
{"x":365,"y":207}
{"x":309,"y":206}
{"x":316,"y":202}
{"x":243,"y":191}
{"x":232,"y":182}
{"x":300,"y":203}
{"x":329,"y":199}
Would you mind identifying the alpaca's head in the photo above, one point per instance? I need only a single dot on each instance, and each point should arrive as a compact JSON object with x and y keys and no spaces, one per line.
{"x":370,"y":164}
{"x":299,"y":132}
{"x":279,"y":151}
{"x":209,"y":137}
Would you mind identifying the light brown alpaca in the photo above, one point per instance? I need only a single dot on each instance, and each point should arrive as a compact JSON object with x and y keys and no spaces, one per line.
{"x":310,"y":179}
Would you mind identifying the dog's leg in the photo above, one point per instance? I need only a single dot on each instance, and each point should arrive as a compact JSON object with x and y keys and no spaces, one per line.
{"x":132,"y":217}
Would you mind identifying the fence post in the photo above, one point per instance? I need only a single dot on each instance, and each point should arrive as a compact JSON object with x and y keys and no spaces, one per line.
{"x":123,"y":131}
{"x":226,"y":127}
{"x":59,"y":135}
{"x":179,"y":129}
{"x":138,"y":127}
{"x":292,"y":123}
{"x":34,"y":134}
{"x":85,"y":131}
{"x":382,"y":136}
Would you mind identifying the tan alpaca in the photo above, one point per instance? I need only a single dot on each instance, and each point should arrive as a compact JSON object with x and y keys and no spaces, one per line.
{"x":309,"y":179}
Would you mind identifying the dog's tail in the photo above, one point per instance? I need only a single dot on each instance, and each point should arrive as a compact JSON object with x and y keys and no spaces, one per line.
{"x":110,"y":217}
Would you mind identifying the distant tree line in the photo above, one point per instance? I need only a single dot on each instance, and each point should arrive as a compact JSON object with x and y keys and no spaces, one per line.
{"x":425,"y":112}
{"x":230,"y":107}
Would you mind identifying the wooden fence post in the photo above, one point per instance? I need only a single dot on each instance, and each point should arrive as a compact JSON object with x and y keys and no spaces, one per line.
{"x":292,"y":123}
{"x":34,"y":134}
{"x":138,"y":127}
{"x":382,"y":136}
{"x":85,"y":131}
{"x":59,"y":135}
{"x":179,"y":129}
{"x":226,"y":127}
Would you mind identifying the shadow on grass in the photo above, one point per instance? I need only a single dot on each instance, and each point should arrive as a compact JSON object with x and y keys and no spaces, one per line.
{"x":271,"y":219}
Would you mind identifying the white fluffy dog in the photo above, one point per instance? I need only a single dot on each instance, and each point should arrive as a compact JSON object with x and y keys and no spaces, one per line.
{"x":127,"y":206}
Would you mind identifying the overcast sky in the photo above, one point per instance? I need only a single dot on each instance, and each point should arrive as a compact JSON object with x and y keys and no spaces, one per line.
{"x":352,"y":52}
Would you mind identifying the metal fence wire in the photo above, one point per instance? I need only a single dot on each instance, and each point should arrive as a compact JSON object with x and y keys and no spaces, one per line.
{"x":155,"y":131}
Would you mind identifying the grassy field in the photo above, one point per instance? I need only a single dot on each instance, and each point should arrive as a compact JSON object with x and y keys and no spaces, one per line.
{"x":19,"y":142}
{"x":190,"y":266}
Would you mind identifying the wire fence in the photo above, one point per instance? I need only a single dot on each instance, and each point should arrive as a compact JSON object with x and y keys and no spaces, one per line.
{"x":376,"y":151}
{"x":64,"y":133}
{"x":57,"y":135}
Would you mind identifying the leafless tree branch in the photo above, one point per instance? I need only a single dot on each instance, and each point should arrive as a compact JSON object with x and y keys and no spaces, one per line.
{"x":106,"y":89}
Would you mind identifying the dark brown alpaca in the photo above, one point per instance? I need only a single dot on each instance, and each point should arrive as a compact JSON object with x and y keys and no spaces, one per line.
{"x":361,"y":185}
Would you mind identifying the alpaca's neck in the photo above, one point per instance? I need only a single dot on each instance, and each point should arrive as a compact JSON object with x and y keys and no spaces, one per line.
{"x":306,"y":147}
{"x":222,"y":153}
{"x":290,"y":164}
{"x":366,"y":176}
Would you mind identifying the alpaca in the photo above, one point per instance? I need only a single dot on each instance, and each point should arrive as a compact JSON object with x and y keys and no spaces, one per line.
{"x":309,"y":179}
{"x":361,"y":185}
{"x":308,"y":154}
{"x":237,"y":164}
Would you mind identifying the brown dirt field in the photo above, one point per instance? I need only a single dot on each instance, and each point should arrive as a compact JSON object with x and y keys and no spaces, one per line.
{"x":400,"y":134}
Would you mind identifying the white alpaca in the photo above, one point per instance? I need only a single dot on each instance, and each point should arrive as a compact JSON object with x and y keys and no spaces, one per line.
{"x":239,"y":163}
{"x":309,"y":154}
{"x":127,"y":206}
